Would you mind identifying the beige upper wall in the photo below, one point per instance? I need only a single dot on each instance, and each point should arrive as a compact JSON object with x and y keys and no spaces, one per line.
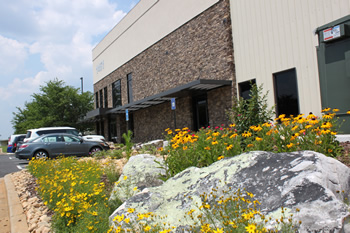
{"x":274,"y":35}
{"x":148,"y":22}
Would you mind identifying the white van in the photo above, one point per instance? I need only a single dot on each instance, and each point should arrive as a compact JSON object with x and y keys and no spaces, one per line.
{"x":34,"y":133}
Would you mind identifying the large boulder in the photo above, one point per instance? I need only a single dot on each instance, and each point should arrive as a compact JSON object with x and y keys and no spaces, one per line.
{"x":315,"y":184}
{"x":140,"y":172}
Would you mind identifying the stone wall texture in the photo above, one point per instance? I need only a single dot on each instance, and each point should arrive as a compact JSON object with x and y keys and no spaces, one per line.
{"x":200,"y":49}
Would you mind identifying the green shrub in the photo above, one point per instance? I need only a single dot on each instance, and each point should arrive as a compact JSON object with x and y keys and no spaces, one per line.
{"x":252,"y":111}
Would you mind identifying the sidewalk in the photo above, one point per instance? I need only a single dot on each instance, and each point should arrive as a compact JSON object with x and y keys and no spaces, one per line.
{"x":12,"y":217}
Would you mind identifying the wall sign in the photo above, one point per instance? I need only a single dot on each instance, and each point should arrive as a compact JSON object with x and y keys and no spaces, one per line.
{"x":331,"y":33}
{"x":173,"y":106}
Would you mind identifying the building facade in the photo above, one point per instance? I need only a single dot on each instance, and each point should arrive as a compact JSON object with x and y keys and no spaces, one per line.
{"x":279,"y":45}
{"x":199,"y":52}
{"x":164,"y":51}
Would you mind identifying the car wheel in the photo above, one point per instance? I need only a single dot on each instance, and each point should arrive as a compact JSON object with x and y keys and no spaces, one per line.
{"x":41,"y":154}
{"x":95,"y":149}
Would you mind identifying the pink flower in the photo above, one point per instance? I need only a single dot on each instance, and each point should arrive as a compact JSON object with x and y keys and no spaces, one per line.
{"x":239,"y":115}
{"x":208,"y":126}
{"x":216,"y":127}
{"x":221,"y":128}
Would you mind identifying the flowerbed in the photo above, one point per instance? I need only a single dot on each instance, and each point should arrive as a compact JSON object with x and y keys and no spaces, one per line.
{"x":78,"y":191}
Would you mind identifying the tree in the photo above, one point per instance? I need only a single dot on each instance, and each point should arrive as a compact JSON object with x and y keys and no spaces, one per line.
{"x":56,"y":105}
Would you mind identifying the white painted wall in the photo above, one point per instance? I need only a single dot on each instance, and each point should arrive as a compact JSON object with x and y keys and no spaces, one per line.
{"x":148,"y":22}
{"x":275,"y":35}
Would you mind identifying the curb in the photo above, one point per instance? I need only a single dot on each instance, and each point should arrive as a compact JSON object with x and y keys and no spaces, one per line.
{"x":18,"y":220}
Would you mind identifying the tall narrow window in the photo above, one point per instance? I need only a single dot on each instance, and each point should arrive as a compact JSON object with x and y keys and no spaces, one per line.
{"x":105,"y":97}
{"x":96,"y":99}
{"x":286,"y":93}
{"x":245,"y":87}
{"x":116,"y":94}
{"x":101,"y":99}
{"x":129,"y":79}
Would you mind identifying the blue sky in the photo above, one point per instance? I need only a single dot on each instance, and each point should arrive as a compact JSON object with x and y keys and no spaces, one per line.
{"x":45,"y":39}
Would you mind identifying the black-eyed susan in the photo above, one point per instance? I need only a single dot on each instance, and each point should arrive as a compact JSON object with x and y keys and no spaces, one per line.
{"x":326,"y":110}
{"x":246,"y":134}
{"x":310,"y":116}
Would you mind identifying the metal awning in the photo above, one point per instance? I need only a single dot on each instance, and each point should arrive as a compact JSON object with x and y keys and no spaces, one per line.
{"x":93,"y":114}
{"x":199,"y":85}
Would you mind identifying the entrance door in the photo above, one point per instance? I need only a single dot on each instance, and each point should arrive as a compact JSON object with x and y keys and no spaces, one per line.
{"x":201,"y":118}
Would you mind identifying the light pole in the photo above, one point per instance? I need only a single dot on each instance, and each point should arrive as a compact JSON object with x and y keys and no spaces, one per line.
{"x":81,"y":78}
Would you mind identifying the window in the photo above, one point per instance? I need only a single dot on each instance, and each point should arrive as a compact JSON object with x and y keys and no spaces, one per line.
{"x":101,"y":99}
{"x":116,"y":94}
{"x":286,"y":93}
{"x":245,"y":87}
{"x":129,"y":80}
{"x":105,"y":97}
{"x":96,"y":99}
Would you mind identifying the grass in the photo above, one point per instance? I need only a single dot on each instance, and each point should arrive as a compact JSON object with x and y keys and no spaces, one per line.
{"x":4,"y":149}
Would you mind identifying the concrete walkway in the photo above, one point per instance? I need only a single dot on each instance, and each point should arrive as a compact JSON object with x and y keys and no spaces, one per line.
{"x":12,"y":217}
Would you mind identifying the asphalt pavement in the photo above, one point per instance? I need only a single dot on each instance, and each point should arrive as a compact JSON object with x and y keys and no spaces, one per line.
{"x":9,"y":164}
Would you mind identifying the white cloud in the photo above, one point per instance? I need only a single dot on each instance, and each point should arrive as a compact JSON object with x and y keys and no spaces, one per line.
{"x":13,"y":54}
{"x":59,"y":35}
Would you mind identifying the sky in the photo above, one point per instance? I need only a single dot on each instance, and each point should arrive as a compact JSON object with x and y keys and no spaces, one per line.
{"x":46,"y":39}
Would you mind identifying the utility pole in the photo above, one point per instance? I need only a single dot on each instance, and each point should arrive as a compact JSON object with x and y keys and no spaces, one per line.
{"x":81,"y":78}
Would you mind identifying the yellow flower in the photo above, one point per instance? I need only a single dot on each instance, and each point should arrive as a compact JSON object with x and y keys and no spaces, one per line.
{"x":335,"y":110}
{"x":250,"y":228}
{"x":234,"y":135}
{"x":229,"y":147}
{"x":215,"y":134}
{"x":214,"y":142}
{"x":184,"y":148}
{"x":328,"y":116}
{"x":205,"y":228}
{"x":348,"y":112}
{"x":125,"y":177}
{"x":207,"y":148}
{"x":326,"y":110}
{"x":219,"y":230}
{"x":170,"y":132}
{"x":232,"y":125}
{"x":258,"y":139}
{"x":131,"y":210}
{"x":221,"y":157}
{"x":135,"y":188}
{"x":310,"y":116}
{"x":246,"y":134}
{"x":127,"y":220}
{"x":147,"y":228}
{"x":250,"y":145}
{"x":290,"y":145}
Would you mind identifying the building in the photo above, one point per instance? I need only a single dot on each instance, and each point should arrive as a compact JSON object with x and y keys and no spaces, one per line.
{"x":281,"y":45}
{"x":201,"y":51}
{"x":164,"y":50}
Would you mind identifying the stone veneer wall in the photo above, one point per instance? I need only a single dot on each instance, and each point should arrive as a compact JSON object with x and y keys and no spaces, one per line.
{"x":200,"y":49}
{"x":219,"y":101}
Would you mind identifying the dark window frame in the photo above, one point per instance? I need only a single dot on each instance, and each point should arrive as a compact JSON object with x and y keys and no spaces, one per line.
{"x":96,"y":100}
{"x":101,"y":98}
{"x":243,"y":89}
{"x":105,"y":97}
{"x":289,"y":103}
{"x":116,"y":86}
{"x":129,"y":87}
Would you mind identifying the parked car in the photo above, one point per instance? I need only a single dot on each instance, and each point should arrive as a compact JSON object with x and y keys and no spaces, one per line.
{"x":10,"y":142}
{"x":18,"y":141}
{"x":34,"y":133}
{"x":96,"y":138}
{"x":53,"y":145}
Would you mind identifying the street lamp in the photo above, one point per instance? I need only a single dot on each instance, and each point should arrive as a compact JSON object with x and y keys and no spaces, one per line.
{"x":81,"y":78}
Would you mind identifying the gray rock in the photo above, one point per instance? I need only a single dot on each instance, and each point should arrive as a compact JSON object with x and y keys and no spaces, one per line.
{"x":317,"y":185}
{"x":141,"y":171}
